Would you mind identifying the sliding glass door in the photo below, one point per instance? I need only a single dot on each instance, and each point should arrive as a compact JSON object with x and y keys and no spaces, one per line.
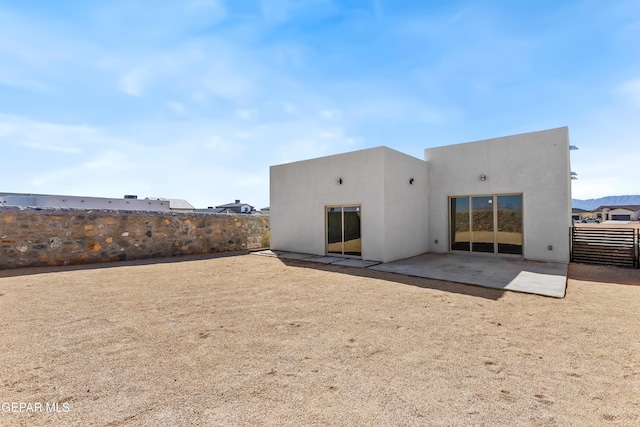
{"x":460,"y":220}
{"x":343,"y":230}
{"x":490,"y":223}
{"x":482,"y":238}
{"x":509,"y":218}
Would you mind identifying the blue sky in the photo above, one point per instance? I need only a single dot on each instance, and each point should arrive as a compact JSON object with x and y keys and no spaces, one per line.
{"x":195,"y":99}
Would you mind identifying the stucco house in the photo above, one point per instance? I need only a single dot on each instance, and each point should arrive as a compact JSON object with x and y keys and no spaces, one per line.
{"x":508,"y":196}
{"x":578,"y":214}
{"x":236,"y":207}
{"x":618,"y":213}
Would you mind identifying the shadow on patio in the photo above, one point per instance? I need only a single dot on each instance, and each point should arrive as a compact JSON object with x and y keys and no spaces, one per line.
{"x":421,"y":282}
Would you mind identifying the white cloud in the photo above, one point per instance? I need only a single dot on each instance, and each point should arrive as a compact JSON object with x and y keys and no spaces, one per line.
{"x":32,"y":42}
{"x":218,"y":144}
{"x":302,"y":149}
{"x":243,"y":135}
{"x":228,"y":82}
{"x":51,"y":147}
{"x":134,"y":81}
{"x":214,"y":9}
{"x":277,"y":11}
{"x":327,"y":135}
{"x":177,"y":107}
{"x":246,"y":114}
{"x":630,"y":90}
{"x":291,"y":109}
{"x":144,"y":20}
{"x":48,"y":136}
{"x":330,"y":114}
{"x":13,"y":79}
{"x":110,"y":160}
{"x":394,"y":108}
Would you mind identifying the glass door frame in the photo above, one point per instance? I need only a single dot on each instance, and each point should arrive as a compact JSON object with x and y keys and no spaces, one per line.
{"x":326,"y":230}
{"x":495,"y":223}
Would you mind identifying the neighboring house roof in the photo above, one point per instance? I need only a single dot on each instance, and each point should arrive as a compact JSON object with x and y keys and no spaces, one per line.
{"x":90,"y":202}
{"x":179,"y":204}
{"x":237,"y":207}
{"x":632,"y":208}
{"x":82,"y":202}
{"x":23,"y":194}
{"x":578,"y":210}
{"x":234,"y":205}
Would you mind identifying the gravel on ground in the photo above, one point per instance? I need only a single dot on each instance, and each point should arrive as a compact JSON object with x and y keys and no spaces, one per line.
{"x":252,"y":340}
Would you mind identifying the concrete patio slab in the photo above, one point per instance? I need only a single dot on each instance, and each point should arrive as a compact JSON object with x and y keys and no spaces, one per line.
{"x":266,"y":252}
{"x":324,"y":259}
{"x":349,"y":262}
{"x":292,"y":255}
{"x":542,"y":278}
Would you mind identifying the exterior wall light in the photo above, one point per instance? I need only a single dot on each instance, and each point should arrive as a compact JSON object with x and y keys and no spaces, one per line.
{"x":411,"y":181}
{"x":483,"y":177}
{"x":340,"y":181}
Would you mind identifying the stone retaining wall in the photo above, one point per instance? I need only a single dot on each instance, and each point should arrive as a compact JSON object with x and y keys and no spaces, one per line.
{"x":32,"y":237}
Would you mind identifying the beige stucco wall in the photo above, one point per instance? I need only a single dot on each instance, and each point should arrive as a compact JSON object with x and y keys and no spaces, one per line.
{"x":535,"y":164}
{"x":406,"y":206}
{"x":393,"y":214}
{"x":400,"y":220}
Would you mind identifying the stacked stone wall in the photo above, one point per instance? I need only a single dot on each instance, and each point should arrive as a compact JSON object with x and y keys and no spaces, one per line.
{"x":31,"y":237}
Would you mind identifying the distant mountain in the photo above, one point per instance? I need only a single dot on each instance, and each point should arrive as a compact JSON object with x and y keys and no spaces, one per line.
{"x":592,"y":204}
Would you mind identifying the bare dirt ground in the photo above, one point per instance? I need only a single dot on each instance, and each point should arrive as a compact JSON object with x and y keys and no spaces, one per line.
{"x":250,"y":340}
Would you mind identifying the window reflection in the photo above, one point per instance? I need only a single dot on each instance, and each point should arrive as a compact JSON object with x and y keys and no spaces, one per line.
{"x":479,"y":226}
{"x":482,"y":224}
{"x":509,"y":235}
{"x":343,"y":230}
{"x":334,"y":230}
{"x":352,"y":237}
{"x":460,"y":234}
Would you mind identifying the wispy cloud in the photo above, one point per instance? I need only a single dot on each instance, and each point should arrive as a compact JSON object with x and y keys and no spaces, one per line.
{"x":13,"y":79}
{"x":228,"y":82}
{"x":154,"y":20}
{"x":134,"y":81}
{"x":48,"y":136}
{"x":177,"y":107}
{"x":630,"y":90}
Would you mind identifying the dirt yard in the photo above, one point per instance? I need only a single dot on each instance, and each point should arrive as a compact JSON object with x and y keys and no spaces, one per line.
{"x":251,"y":340}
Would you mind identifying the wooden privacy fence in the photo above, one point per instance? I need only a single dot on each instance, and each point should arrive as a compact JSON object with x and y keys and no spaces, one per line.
{"x":608,"y":246}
